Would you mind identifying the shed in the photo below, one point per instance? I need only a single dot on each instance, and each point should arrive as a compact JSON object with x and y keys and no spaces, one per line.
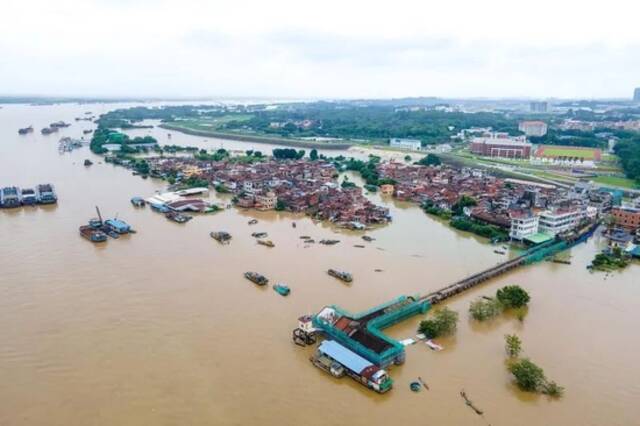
{"x":344,"y":356}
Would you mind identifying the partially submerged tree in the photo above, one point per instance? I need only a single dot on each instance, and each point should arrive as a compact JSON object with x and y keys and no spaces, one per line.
{"x":513,"y":345}
{"x":482,"y":310}
{"x":513,"y":296}
{"x":443,"y":323}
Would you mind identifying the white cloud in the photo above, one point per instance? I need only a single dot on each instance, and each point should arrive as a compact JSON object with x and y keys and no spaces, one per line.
{"x":327,"y":49}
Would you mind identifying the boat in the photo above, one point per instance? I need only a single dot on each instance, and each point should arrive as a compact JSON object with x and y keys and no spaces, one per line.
{"x":282,"y":289}
{"x":500,"y":252}
{"x":305,"y":237}
{"x":118,"y":226}
{"x":358,"y":246}
{"x":367,"y":238}
{"x":88,"y":163}
{"x":267,"y":243}
{"x":48,"y":130}
{"x":86,"y":132}
{"x":415,"y":386}
{"x":46,"y":194}
{"x":92,"y":234}
{"x":162,"y":208}
{"x":222,"y":237}
{"x":253,"y":221}
{"x":433,"y":345}
{"x":138,"y":202}
{"x":59,"y":125}
{"x":29,"y":197}
{"x":329,"y":242}
{"x":341,"y":275}
{"x":178,"y":217}
{"x":25,"y":130}
{"x":293,"y":224}
{"x":10,"y":197}
{"x":259,"y":234}
{"x":256,"y":278}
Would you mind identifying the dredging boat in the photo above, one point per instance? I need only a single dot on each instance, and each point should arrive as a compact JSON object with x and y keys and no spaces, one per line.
{"x":25,"y":130}
{"x":256,"y":278}
{"x":341,"y":275}
{"x":267,"y":243}
{"x":221,"y":237}
{"x":92,"y":234}
{"x":178,"y":217}
{"x":282,"y":289}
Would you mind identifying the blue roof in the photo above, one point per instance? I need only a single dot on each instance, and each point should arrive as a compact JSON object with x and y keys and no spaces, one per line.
{"x":344,"y":356}
{"x":117,"y":223}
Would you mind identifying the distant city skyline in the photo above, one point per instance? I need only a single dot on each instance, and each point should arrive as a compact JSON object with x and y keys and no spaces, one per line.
{"x":144,"y":48}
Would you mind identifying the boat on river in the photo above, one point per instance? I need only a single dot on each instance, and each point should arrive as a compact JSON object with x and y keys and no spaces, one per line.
{"x":10,"y":197}
{"x":92,"y":234}
{"x":29,"y":197}
{"x":341,"y":275}
{"x":25,"y":130}
{"x":329,"y":242}
{"x":138,"y":202}
{"x":46,"y":194}
{"x":267,"y":243}
{"x":178,"y":217}
{"x":282,"y":289}
{"x":221,"y":236}
{"x":259,"y":234}
{"x":256,"y":278}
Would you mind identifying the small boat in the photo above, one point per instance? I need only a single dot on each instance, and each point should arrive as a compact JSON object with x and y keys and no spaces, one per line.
{"x":305,"y":237}
{"x":86,"y":132}
{"x":178,"y":217}
{"x":358,"y":246}
{"x":282,"y":289}
{"x":433,"y":345}
{"x":367,"y":238}
{"x":259,"y":234}
{"x":46,"y":194}
{"x":415,"y":386}
{"x":256,"y":278}
{"x":329,"y":242}
{"x":10,"y":197}
{"x":341,"y":275}
{"x":253,"y":221}
{"x":48,"y":130}
{"x":162,"y":208}
{"x":267,"y":243}
{"x":29,"y":197}
{"x":95,"y":223}
{"x":92,"y":234}
{"x":500,"y":252}
{"x":138,"y":201}
{"x":293,"y":224}
{"x":88,"y":163}
{"x":25,"y":130}
{"x":221,"y":237}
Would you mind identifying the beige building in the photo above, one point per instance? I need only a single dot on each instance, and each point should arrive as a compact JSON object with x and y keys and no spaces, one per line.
{"x":266,"y":201}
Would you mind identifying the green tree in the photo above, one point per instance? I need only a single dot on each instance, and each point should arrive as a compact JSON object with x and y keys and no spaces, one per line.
{"x":529,"y":377}
{"x":443,"y":323}
{"x":513,"y":345}
{"x":513,"y":296}
{"x":407,"y":158}
{"x":280,"y":205}
{"x":430,"y":160}
{"x":313,"y":155}
{"x":553,"y":389}
{"x":482,"y":310}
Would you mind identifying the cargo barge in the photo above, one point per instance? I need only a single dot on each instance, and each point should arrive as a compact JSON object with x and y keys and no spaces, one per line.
{"x":92,"y":234}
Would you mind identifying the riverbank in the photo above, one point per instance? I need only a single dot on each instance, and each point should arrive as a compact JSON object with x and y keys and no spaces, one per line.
{"x":259,"y":139}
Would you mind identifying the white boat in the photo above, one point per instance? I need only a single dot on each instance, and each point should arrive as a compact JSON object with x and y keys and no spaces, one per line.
{"x":433,"y":345}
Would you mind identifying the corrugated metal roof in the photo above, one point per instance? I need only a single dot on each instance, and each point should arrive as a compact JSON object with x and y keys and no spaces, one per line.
{"x":344,"y":356}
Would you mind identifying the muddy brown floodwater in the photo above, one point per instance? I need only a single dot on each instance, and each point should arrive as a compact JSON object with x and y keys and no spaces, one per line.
{"x":160,"y":328}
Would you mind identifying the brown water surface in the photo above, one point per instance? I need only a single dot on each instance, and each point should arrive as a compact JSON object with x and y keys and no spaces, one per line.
{"x":160,"y":328}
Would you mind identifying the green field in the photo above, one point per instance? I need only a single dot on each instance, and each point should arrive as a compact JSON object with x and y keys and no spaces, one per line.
{"x":213,"y":123}
{"x":617,"y":181}
{"x":550,"y":151}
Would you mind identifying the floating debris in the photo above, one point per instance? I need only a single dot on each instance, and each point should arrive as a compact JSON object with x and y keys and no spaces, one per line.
{"x":377,"y":270}
{"x":222,"y":237}
{"x":467,"y":401}
{"x":341,"y":275}
{"x":426,"y":386}
{"x":256,"y":278}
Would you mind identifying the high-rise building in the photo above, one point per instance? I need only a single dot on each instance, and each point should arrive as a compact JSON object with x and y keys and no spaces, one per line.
{"x":538,"y":106}
{"x":636,"y":95}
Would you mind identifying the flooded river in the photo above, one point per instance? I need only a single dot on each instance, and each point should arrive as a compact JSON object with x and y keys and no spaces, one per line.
{"x":160,"y":327}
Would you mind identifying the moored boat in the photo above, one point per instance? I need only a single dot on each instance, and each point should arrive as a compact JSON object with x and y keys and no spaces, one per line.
{"x":253,"y":221}
{"x":25,"y":130}
{"x":178,"y":217}
{"x":267,"y":243}
{"x":92,"y":234}
{"x":282,"y":289}
{"x":46,"y":194}
{"x":29,"y":197}
{"x":10,"y":197}
{"x":256,"y":278}
{"x":341,"y":275}
{"x":329,"y":242}
{"x":138,"y":201}
{"x":88,"y":163}
{"x":259,"y":234}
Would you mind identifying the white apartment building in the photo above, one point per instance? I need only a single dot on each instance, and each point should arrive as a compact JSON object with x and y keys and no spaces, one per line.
{"x":533,"y":128}
{"x":523,"y":224}
{"x":557,"y":221}
{"x":410,"y":144}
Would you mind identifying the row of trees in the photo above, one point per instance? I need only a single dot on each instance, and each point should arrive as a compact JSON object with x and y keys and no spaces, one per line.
{"x":629,"y":153}
{"x":528,"y":376}
{"x":508,"y":297}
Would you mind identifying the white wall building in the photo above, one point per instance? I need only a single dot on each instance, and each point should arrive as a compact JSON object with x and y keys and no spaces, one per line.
{"x":533,"y":128}
{"x":411,"y":144}
{"x":523,"y":224}
{"x":557,"y":221}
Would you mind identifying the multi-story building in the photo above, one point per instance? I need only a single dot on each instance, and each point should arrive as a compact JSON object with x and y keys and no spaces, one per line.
{"x":523,"y":224}
{"x":538,"y":106}
{"x":411,"y":144}
{"x":636,"y":95}
{"x":266,"y":201}
{"x":558,"y":220}
{"x":533,"y":128}
{"x":626,"y":217}
{"x":501,"y":145}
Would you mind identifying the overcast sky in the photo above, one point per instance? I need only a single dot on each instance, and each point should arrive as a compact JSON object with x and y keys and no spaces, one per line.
{"x":322,"y":49}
